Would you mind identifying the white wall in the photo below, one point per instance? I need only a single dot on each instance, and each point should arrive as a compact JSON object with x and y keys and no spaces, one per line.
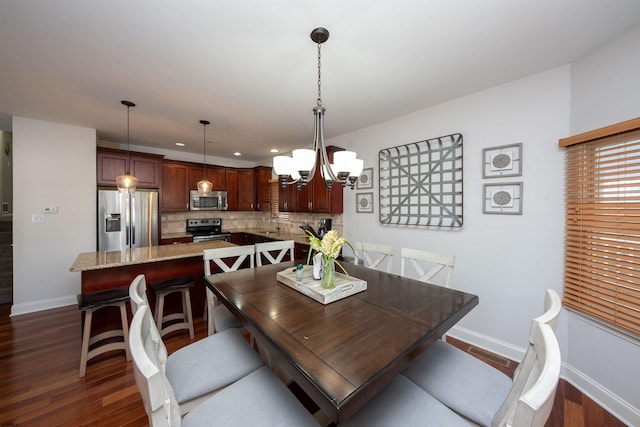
{"x":54,"y":165}
{"x":507,"y":260}
{"x":604,"y":91}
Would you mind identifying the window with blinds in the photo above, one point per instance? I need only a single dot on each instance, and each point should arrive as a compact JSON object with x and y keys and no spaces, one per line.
{"x":602,"y":239}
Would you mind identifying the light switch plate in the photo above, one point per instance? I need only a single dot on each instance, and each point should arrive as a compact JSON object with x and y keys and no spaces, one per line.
{"x":39,"y":218}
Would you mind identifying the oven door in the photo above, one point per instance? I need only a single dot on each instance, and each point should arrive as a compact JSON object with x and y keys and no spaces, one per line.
{"x":211,"y":237}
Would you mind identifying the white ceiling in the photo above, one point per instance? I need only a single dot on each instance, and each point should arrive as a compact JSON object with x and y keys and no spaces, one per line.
{"x":250,"y":67}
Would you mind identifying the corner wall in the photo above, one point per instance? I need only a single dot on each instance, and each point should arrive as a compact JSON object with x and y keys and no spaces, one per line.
{"x":54,"y":165}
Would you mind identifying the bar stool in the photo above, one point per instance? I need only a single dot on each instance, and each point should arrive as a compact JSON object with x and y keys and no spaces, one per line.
{"x":91,"y":302}
{"x":162,"y":288}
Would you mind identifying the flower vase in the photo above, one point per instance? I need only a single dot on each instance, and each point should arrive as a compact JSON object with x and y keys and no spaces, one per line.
{"x":328,"y":273}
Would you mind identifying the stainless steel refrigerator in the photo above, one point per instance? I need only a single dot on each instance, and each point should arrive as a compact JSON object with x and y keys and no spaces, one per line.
{"x":127,"y":221}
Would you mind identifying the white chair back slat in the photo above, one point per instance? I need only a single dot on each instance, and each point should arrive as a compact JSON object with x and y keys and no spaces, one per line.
{"x":374,"y":256}
{"x":218,"y":255}
{"x":138,"y":293}
{"x":436,"y":263}
{"x":268,"y":249}
{"x":157,"y":395}
{"x":531,"y":398}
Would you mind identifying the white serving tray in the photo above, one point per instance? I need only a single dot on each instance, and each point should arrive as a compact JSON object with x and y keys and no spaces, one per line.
{"x":345,"y":285}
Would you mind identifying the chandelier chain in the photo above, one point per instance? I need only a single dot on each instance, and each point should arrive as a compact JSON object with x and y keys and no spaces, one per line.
{"x":319,"y":83}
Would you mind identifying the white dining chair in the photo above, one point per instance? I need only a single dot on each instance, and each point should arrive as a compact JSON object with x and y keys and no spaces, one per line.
{"x":468,"y":385}
{"x":376,"y":256}
{"x":258,"y":398}
{"x":219,"y":318}
{"x":199,"y":369}
{"x":428,"y":265}
{"x":528,"y":404}
{"x":274,"y":252}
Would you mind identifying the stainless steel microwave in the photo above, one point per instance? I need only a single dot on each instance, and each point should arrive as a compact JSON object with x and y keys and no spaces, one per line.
{"x":213,"y":201}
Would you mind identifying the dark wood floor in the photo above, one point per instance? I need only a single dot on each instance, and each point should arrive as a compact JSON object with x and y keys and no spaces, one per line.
{"x":39,"y":384}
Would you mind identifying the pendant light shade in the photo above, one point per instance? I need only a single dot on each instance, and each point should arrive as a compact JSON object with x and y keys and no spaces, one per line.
{"x":301,"y":166}
{"x":204,"y":185}
{"x":127,"y":183}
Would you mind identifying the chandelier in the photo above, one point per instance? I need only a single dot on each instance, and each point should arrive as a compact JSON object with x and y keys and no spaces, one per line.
{"x":301,"y":165}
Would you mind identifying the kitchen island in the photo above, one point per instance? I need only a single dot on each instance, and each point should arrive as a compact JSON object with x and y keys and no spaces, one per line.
{"x":112,"y":269}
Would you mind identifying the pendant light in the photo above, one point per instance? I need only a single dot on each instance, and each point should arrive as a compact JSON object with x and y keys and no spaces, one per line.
{"x":301,"y":166}
{"x":127,"y":183}
{"x":204,"y":185}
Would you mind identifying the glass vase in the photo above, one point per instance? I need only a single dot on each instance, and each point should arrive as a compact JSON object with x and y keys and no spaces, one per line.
{"x":328,"y":273}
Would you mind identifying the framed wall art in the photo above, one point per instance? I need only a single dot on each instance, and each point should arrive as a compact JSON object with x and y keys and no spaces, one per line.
{"x":365,"y":180}
{"x":364,"y":202}
{"x":503,"y":198}
{"x":502,"y":161}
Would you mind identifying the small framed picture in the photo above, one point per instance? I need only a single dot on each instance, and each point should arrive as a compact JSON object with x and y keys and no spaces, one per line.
{"x":365,"y":180}
{"x":364,"y":202}
{"x":503,"y":198}
{"x":502,"y":161}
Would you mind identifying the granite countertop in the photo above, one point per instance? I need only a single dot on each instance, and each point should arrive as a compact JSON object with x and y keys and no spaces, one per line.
{"x":109,"y":259}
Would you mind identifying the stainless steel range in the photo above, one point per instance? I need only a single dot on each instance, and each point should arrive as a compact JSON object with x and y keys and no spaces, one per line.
{"x":207,"y":229}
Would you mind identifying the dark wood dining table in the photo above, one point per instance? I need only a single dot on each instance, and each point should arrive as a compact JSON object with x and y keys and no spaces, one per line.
{"x":343,"y":353}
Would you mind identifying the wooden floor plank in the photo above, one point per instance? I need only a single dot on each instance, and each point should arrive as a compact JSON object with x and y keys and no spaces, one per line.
{"x":39,"y":384}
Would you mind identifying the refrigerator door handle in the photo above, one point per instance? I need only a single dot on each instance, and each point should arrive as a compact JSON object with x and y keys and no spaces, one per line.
{"x":133,"y":221}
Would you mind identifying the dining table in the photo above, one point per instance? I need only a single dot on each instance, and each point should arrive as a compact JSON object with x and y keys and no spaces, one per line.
{"x":344,"y":352}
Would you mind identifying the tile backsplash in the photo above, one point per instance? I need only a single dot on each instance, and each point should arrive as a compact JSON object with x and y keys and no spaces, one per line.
{"x":239,"y":220}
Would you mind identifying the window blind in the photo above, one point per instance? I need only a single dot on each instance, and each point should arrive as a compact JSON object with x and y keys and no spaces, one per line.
{"x":602,"y":239}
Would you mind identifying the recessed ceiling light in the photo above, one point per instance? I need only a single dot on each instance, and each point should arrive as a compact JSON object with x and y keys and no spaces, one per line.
{"x":180,"y":144}
{"x":237,"y":153}
{"x":274,"y":150}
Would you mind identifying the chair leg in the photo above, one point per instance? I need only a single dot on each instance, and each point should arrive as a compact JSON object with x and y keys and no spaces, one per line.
{"x":159,"y":312}
{"x":125,"y":329}
{"x":186,"y":306}
{"x":86,"y":336}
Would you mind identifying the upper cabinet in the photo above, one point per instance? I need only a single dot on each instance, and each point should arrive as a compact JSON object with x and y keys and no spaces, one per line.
{"x":112,"y":163}
{"x":241,"y":194}
{"x":178,"y":178}
{"x":315,"y":196}
{"x":215,"y":175}
{"x":174,"y":192}
{"x":263,"y":188}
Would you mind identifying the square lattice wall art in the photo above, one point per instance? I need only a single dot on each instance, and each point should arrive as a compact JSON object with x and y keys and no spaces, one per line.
{"x":421,"y":183}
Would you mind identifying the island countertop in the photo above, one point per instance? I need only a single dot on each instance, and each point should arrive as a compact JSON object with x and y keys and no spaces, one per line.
{"x":87,"y":261}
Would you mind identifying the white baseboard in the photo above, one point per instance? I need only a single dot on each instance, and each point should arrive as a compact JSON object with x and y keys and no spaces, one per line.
{"x":45,"y":304}
{"x":603,"y":397}
{"x":501,"y":348}
{"x":616,"y":406}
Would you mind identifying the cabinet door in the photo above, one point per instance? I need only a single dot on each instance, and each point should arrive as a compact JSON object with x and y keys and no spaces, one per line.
{"x":111,"y":164}
{"x":213,"y":174}
{"x":147,"y":171}
{"x":263,"y":188}
{"x":246,"y":190}
{"x":174,"y":192}
{"x":231,"y":177}
{"x":322,"y":199}
{"x":287,"y":198}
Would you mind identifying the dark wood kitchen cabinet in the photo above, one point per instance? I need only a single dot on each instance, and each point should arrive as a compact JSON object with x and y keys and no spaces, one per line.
{"x":111,"y":163}
{"x":214,"y":174}
{"x":246,"y":190}
{"x":314,"y":197}
{"x":240,"y":189}
{"x":263,"y":188}
{"x":174,"y":191}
